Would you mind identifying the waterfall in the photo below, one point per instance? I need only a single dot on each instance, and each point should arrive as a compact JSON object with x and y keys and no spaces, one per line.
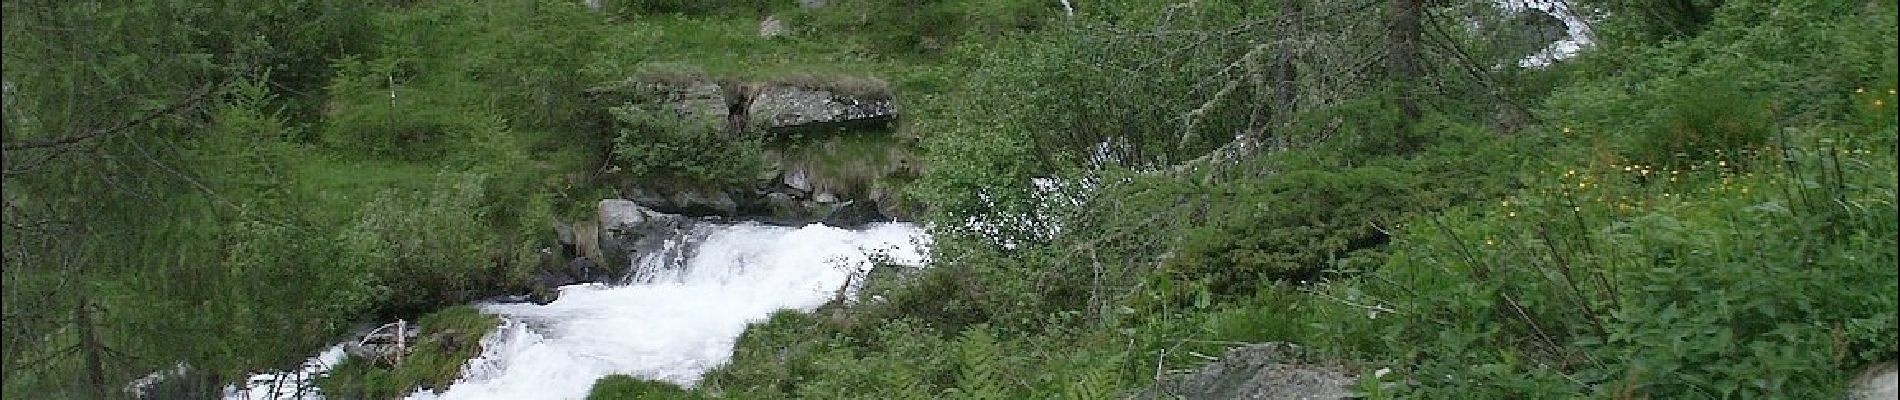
{"x":674,"y":318}
{"x":679,"y":316}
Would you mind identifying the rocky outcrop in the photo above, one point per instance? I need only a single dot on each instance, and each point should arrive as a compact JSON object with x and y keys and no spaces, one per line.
{"x":766,"y":202}
{"x":626,"y":228}
{"x":1261,"y":371}
{"x":788,"y":107}
{"x":805,"y":119}
{"x":801,"y":103}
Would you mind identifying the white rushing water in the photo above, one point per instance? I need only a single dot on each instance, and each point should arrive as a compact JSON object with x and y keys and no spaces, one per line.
{"x":297,"y":384}
{"x":677,"y":323}
{"x":1577,"y":32}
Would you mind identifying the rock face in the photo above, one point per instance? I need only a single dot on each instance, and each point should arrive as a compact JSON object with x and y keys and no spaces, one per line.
{"x":781,"y":107}
{"x":803,"y":119}
{"x":769,"y":106}
{"x":1262,"y":371}
{"x":767,"y":202}
{"x":626,"y":228}
{"x":1878,"y":381}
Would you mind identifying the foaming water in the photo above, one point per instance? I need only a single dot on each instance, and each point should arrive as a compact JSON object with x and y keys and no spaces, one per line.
{"x":681,"y":318}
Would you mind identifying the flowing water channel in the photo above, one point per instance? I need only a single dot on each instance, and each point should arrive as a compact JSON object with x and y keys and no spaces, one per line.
{"x":674,"y":320}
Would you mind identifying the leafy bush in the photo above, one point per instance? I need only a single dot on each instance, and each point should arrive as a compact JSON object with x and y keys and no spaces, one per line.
{"x":425,"y":249}
{"x":1718,"y":283}
{"x":660,"y":144}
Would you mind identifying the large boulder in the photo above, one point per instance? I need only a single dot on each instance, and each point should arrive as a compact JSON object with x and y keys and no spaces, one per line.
{"x":798,"y":103}
{"x":627,"y":229}
{"x":1260,"y":371}
{"x":788,"y":106}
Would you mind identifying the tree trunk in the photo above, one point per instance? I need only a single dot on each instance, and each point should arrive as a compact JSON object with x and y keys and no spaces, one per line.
{"x":1286,"y":69}
{"x":1402,"y":63}
{"x":89,"y":347}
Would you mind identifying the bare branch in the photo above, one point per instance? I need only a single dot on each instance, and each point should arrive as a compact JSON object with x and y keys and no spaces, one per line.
{"x":63,"y":141}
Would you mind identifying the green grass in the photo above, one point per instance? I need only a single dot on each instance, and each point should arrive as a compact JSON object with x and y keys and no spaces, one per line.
{"x":340,"y":186}
{"x":623,"y":387}
{"x":727,"y":47}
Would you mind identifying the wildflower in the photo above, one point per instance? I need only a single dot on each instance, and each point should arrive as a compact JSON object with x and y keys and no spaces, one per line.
{"x":1878,"y":103}
{"x":1860,"y":90}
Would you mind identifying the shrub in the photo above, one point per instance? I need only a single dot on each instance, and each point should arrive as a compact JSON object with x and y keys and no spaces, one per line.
{"x":1718,"y":283}
{"x":661,"y":144}
{"x":1702,"y":118}
{"x":623,"y":387}
{"x":424,"y":249}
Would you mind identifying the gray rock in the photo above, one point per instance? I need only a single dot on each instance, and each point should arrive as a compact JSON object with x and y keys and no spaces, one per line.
{"x":790,"y":106}
{"x":811,"y":3}
{"x":797,"y":178}
{"x":706,"y":201}
{"x":825,"y":198}
{"x":621,"y":224}
{"x":1261,"y":371}
{"x":625,"y":229}
{"x":1879,"y":381}
{"x":564,"y":233}
{"x":853,"y":213}
{"x":772,"y":26}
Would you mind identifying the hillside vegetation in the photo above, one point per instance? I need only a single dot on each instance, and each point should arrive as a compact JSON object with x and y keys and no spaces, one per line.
{"x":1701,"y":204}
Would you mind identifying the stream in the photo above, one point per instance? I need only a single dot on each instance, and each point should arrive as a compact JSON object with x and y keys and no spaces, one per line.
{"x":676,"y":318}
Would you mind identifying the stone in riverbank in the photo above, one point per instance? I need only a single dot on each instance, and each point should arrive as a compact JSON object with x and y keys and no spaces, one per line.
{"x":1260,"y":371}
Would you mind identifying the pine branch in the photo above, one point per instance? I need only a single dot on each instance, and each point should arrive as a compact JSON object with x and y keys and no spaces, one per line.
{"x":71,"y":139}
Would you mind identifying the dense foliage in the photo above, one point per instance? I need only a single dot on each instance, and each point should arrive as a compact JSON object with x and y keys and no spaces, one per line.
{"x":1702,"y":204}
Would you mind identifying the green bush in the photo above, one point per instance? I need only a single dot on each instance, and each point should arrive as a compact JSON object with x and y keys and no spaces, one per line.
{"x":1703,"y":118}
{"x":661,"y":144}
{"x":1719,"y":283}
{"x":426,"y":249}
{"x":623,"y":387}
